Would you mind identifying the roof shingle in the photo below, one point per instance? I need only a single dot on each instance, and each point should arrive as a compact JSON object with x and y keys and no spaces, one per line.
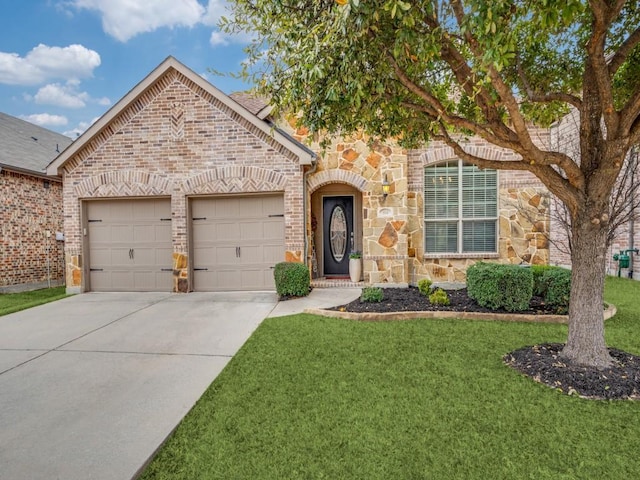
{"x":26,"y":146}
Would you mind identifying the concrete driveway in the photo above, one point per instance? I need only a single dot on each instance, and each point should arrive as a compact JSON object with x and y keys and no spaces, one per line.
{"x":91,"y":385}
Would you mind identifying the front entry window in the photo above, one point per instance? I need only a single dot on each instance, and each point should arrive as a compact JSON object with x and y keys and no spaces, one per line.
{"x":338,"y":233}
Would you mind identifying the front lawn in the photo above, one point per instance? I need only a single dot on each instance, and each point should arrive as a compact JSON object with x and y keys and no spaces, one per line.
{"x":309,"y":397}
{"x":14,"y":302}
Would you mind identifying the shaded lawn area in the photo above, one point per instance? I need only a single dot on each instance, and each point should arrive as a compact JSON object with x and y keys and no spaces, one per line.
{"x":309,"y":397}
{"x":14,"y":302}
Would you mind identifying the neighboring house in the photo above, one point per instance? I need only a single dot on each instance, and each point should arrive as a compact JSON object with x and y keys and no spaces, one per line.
{"x":30,"y":206}
{"x":564,"y":137}
{"x":181,"y":188}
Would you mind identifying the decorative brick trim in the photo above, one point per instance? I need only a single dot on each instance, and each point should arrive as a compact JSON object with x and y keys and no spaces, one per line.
{"x":234,"y":179}
{"x":119,"y":183}
{"x":338,"y":176}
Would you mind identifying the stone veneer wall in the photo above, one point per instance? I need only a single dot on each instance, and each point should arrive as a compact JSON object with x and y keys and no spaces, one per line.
{"x":178,"y":140}
{"x":393,"y":234}
{"x":363,"y":165}
{"x":27,"y":211}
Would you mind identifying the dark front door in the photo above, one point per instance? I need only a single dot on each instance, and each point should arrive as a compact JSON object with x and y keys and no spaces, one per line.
{"x":338,"y":241}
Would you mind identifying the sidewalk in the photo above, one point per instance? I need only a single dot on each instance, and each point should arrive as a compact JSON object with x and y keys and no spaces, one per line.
{"x":318,"y":298}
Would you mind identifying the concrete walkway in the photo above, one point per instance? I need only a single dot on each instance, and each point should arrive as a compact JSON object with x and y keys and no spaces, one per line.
{"x":91,"y":385}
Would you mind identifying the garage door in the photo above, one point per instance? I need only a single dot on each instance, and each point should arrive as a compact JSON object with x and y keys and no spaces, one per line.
{"x":130,"y":245}
{"x":236,"y":242}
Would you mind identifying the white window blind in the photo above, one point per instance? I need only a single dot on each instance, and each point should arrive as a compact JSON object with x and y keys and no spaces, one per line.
{"x":460,"y":208}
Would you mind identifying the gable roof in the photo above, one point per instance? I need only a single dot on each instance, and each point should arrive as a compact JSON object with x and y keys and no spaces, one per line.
{"x":28,"y":148}
{"x":305,"y":155}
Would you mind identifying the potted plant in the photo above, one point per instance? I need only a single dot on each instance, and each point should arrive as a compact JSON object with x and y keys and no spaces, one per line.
{"x":355,"y":266}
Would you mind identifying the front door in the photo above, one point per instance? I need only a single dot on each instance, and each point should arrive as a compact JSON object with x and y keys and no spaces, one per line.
{"x":338,"y":241}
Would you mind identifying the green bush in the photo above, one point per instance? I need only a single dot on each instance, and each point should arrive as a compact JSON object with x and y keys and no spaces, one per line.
{"x":424,"y":286}
{"x":292,"y":279}
{"x":371,"y":294}
{"x":497,"y":286}
{"x":557,"y":288}
{"x":439,"y":297}
{"x":538,"y":271}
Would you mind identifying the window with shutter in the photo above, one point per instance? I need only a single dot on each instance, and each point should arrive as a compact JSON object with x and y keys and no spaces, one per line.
{"x":460,"y":208}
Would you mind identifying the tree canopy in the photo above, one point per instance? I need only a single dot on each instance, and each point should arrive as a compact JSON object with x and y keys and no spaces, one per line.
{"x":449,"y":69}
{"x":426,"y":70}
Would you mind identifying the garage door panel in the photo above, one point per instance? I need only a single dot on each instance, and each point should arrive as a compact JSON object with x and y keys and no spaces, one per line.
{"x":274,"y":231}
{"x":272,"y":254}
{"x":130,"y":247}
{"x":238,"y":240}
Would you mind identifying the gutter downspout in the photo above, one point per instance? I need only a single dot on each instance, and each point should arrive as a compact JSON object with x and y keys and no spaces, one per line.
{"x":305,"y":203}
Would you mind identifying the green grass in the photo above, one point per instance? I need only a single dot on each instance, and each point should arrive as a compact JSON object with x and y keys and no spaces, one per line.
{"x":314,"y":398}
{"x":14,"y":302}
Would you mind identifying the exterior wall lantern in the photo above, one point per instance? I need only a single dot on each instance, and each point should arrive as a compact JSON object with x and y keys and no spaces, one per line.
{"x":386,"y":186}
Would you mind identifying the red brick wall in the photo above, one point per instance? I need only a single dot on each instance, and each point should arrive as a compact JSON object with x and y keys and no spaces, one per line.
{"x":27,"y":211}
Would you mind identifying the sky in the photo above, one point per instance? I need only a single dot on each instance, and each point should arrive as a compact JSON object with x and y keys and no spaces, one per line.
{"x":64,"y":63}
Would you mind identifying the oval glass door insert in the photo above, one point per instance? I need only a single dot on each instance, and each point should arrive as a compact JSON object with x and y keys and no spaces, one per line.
{"x":338,"y":233}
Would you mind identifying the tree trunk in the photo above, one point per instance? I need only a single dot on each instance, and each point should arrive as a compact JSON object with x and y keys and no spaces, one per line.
{"x":585,"y":344}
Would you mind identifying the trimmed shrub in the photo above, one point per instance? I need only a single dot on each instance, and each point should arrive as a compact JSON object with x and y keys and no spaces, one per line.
{"x":371,"y":295}
{"x":496,"y":286}
{"x":439,"y":297}
{"x":424,"y":286}
{"x":538,"y":271}
{"x":292,"y":279}
{"x":557,"y":288}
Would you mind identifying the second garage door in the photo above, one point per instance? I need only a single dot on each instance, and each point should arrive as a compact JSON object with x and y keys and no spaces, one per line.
{"x":236,"y":242}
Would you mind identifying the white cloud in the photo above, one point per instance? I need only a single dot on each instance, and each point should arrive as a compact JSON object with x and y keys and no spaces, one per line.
{"x":215,"y":10}
{"x":124,"y":19}
{"x":46,"y":63}
{"x":66,"y":96}
{"x":45,"y":119}
{"x":219,"y":38}
{"x":61,"y":96}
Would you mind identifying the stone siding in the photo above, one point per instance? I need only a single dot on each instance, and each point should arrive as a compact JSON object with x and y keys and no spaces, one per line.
{"x":178,"y":140}
{"x":28,"y":210}
{"x":392,"y":228}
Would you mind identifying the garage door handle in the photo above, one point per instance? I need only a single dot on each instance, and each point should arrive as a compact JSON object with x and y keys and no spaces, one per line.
{"x":277,"y":215}
{"x":131,"y":253}
{"x":165,"y":219}
{"x":237,"y":251}
{"x":166,"y":269}
{"x":199,"y":269}
{"x":95,"y":270}
{"x":199,"y":218}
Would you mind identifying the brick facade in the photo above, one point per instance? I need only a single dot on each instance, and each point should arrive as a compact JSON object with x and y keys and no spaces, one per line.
{"x":29,"y":208}
{"x":177,"y":140}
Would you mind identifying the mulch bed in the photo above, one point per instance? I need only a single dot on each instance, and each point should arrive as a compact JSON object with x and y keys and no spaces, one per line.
{"x":411,"y":300}
{"x":542,"y":363}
